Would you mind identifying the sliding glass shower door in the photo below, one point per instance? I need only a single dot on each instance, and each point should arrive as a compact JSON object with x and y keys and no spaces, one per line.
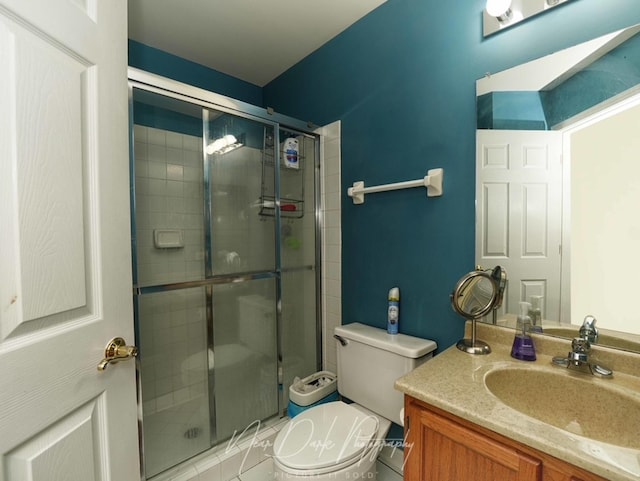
{"x":225,"y":271}
{"x":240,"y":251}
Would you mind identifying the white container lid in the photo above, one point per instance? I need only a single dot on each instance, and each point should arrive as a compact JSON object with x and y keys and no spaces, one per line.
{"x":325,"y":435}
{"x":407,"y":346}
{"x":312,"y":388}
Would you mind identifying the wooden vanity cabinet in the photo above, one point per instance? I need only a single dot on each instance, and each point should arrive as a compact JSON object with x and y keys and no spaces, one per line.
{"x":442,"y":447}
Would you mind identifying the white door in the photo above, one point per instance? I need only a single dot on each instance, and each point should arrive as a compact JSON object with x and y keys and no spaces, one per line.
{"x":65,"y":281}
{"x":519,"y":213}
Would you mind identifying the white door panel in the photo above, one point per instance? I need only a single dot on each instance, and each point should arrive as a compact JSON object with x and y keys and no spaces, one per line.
{"x":519,"y":213}
{"x":65,"y":280}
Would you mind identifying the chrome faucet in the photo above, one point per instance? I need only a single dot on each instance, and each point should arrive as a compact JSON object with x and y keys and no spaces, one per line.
{"x":578,"y":359}
{"x":588,"y":330}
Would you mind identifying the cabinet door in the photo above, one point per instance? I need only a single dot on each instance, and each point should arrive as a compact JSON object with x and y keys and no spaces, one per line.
{"x":442,"y":450}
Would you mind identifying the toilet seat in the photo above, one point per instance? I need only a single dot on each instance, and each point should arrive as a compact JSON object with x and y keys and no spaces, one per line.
{"x":325,"y":438}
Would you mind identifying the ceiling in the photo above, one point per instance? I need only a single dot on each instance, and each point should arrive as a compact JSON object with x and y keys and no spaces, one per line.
{"x":253,"y":40}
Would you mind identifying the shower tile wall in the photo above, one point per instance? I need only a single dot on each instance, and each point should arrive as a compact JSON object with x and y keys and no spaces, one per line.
{"x":168,"y":196}
{"x":331,"y":242}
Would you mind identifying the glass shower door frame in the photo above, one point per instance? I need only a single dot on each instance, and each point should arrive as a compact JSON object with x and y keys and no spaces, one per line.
{"x":207,"y":100}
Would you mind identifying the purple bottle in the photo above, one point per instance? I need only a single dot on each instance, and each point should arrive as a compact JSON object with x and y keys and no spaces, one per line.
{"x":523,"y":347}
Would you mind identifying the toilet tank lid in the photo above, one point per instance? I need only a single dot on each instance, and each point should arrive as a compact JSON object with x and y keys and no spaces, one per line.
{"x":401,"y":344}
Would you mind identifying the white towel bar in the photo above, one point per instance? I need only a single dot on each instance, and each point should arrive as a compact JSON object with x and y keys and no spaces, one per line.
{"x":432,"y":181}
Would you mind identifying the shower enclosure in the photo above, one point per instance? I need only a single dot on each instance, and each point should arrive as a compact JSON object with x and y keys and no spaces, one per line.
{"x":226,"y":257}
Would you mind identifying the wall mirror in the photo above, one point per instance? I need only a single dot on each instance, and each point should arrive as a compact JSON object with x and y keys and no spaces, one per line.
{"x":558,"y":185}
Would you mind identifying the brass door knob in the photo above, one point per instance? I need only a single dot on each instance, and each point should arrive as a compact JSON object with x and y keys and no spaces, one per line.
{"x":117,"y":350}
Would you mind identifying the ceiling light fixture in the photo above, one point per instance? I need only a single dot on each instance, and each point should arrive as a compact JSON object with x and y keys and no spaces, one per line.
{"x":500,"y":9}
{"x":501,"y":14}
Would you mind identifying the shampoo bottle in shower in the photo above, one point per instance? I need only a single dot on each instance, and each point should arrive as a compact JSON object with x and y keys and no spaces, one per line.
{"x":290,"y":153}
{"x":393,"y":311}
{"x":523,"y":347}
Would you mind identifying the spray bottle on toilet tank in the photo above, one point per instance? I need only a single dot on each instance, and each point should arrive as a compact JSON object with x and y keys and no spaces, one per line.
{"x":393,"y":311}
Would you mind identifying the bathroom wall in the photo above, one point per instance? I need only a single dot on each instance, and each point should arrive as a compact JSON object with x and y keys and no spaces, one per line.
{"x":604,"y":214}
{"x":402,"y":82}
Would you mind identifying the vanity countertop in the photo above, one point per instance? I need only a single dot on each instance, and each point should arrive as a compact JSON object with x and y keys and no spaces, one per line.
{"x":454,"y":381}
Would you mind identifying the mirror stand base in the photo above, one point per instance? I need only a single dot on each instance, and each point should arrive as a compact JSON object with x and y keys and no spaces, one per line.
{"x":473,"y":347}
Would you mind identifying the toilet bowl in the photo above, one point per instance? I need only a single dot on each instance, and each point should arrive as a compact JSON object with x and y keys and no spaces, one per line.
{"x":340,"y":441}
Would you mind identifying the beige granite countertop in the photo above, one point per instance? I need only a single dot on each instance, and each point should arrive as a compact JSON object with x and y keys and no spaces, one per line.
{"x":454,"y":381}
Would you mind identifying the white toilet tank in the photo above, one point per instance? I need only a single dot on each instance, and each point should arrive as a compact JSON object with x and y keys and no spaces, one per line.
{"x":369,"y":362}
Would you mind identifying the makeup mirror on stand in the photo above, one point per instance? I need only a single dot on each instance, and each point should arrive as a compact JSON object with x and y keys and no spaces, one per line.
{"x":474,"y":296}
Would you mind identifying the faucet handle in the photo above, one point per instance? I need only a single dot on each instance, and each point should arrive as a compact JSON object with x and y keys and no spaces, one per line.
{"x":579,"y":358}
{"x":588,"y":330}
{"x":589,"y":322}
{"x":579,"y":350}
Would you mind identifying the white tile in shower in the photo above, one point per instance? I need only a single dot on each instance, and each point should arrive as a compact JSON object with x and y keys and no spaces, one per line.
{"x":193,"y":190}
{"x":157,"y":168}
{"x":175,"y":156}
{"x":175,"y":172}
{"x":333,"y":273}
{"x":142,"y":186}
{"x":175,"y":205}
{"x":142,"y":167}
{"x":332,"y":253}
{"x":175,"y":189}
{"x":333,"y":235}
{"x":332,"y":130}
{"x":174,"y":140}
{"x":157,"y":136}
{"x":333,"y":184}
{"x":331,"y":278}
{"x":332,"y":156}
{"x":332,"y":202}
{"x":192,"y":143}
{"x":157,"y":153}
{"x":157,"y":186}
{"x":140,"y":133}
{"x":192,"y":158}
{"x":332,"y":219}
{"x":193,"y":206}
{"x":192,"y":174}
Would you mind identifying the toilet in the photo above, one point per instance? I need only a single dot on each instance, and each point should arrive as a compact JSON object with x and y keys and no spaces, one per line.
{"x":339,"y":440}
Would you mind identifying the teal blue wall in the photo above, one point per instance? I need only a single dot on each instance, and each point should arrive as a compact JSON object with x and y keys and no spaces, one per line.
{"x":402,"y":80}
{"x":615,"y":72}
{"x":162,"y":63}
